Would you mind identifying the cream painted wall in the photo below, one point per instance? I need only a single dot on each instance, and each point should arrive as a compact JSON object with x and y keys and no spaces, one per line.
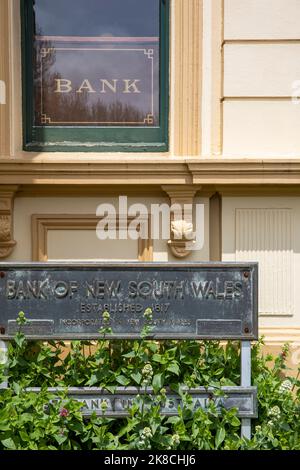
{"x":278,"y":266}
{"x":261,"y":59}
{"x":262,"y":19}
{"x":261,"y":128}
{"x":260,"y":69}
{"x":83,"y":245}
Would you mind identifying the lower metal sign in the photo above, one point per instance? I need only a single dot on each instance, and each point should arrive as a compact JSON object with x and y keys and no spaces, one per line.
{"x":117,"y":405}
{"x":188,"y":300}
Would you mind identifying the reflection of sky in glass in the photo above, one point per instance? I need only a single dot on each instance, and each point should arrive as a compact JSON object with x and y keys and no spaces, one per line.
{"x":97,"y":17}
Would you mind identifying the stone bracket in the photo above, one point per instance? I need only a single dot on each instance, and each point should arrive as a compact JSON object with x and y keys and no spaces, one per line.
{"x":182,"y":227}
{"x":7,"y":242}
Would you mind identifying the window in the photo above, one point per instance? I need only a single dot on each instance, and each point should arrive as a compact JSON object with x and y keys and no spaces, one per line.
{"x":95,"y":75}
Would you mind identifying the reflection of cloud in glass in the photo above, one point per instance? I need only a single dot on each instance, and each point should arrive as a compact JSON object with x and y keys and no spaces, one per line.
{"x":98,"y":17}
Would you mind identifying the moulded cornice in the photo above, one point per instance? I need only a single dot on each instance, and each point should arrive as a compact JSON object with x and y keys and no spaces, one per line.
{"x":156,"y":171}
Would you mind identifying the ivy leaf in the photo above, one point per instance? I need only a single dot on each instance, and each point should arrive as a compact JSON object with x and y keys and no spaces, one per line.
{"x":220,"y":436}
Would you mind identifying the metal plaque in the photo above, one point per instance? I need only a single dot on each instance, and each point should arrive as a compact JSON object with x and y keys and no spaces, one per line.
{"x":188,"y":300}
{"x":244,"y":399}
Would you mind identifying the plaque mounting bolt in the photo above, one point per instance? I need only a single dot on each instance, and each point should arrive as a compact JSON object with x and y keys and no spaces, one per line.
{"x":2,"y":274}
{"x":246,"y":274}
{"x":2,"y":330}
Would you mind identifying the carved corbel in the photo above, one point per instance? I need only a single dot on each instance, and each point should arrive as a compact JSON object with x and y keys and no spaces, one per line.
{"x":7,"y":242}
{"x":182,"y":228}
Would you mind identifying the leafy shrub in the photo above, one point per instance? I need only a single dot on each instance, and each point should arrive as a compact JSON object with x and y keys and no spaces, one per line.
{"x":37,"y":421}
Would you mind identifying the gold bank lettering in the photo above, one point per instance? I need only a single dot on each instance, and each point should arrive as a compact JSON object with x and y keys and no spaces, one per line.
{"x":124,"y":86}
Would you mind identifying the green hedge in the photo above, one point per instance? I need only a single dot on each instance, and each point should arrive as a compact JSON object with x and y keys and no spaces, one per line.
{"x":28,"y":421}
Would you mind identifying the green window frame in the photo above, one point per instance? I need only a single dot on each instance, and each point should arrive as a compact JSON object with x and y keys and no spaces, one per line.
{"x":92,"y":139}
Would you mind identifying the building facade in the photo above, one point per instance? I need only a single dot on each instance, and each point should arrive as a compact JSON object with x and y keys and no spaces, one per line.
{"x":221,"y":131}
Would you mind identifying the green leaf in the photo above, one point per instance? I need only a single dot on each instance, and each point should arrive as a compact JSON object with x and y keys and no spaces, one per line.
{"x":159,"y":358}
{"x":60,"y":438}
{"x":235,"y":421}
{"x":227,"y":382}
{"x":173,"y":420}
{"x":129,"y":426}
{"x":285,"y":426}
{"x":4,"y":426}
{"x":157,"y":382}
{"x":24,"y":436}
{"x":153,"y":347}
{"x":219,"y":371}
{"x":9,"y":444}
{"x":121,"y":379}
{"x":137,"y":377}
{"x":174,"y":367}
{"x":93,"y":380}
{"x":17,"y":388}
{"x":26,"y":418}
{"x":220,"y":436}
{"x":19,"y":339}
{"x":128,"y":355}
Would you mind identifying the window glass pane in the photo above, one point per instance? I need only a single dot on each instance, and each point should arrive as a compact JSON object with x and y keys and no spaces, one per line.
{"x":96,"y":63}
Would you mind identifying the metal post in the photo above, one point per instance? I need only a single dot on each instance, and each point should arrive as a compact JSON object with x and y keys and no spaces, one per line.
{"x":246,"y":382}
{"x":3,"y":360}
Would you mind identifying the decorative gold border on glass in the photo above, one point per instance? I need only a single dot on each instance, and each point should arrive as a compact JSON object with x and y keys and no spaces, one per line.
{"x":149,"y":53}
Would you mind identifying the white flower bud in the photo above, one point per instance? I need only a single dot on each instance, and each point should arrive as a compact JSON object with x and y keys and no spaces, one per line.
{"x":286,"y":387}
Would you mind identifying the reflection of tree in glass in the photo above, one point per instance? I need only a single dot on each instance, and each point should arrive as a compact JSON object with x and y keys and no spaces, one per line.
{"x":41,"y":68}
{"x":65,"y":109}
{"x":116,"y":112}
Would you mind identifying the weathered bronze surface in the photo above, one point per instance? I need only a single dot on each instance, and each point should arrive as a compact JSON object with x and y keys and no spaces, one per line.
{"x":188,"y":300}
{"x":244,"y":399}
